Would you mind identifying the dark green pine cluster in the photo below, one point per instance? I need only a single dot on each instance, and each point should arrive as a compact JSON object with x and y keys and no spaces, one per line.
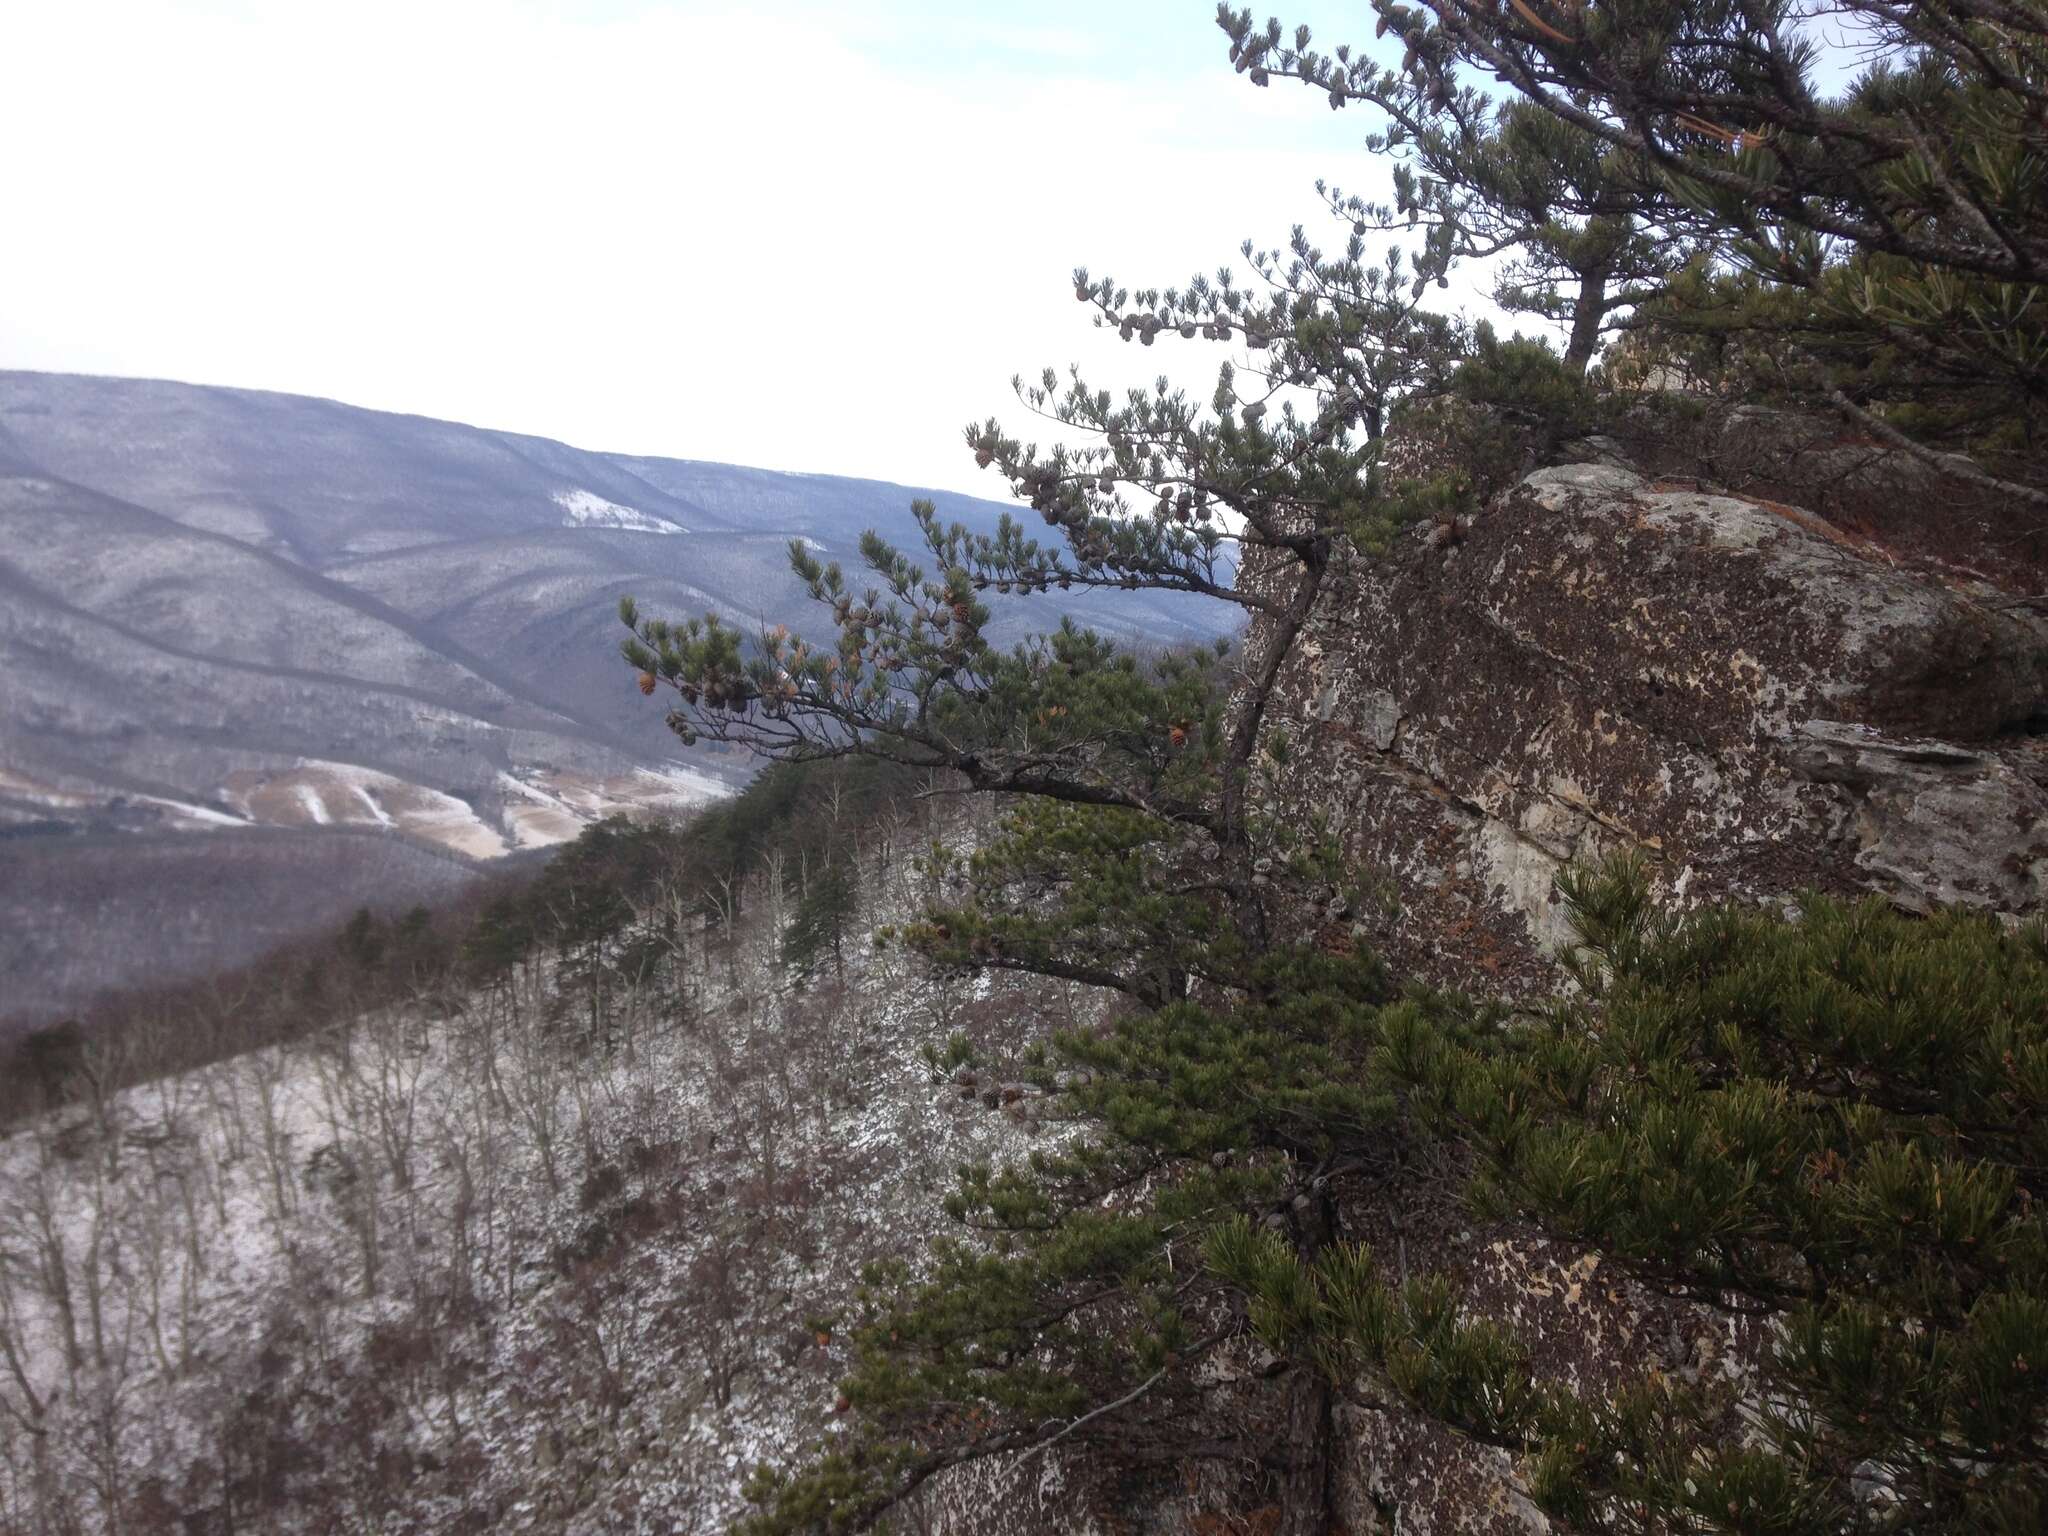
{"x":823,"y":923}
{"x":1078,"y":1279}
{"x":1833,"y":1124}
{"x":1830,"y":1125}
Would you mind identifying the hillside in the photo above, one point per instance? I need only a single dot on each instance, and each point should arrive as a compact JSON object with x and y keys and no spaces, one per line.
{"x":545,"y":1255}
{"x":225,"y":608}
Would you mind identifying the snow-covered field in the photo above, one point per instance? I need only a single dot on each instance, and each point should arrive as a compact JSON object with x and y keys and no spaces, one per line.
{"x":541,"y":806}
{"x":22,"y":787}
{"x":179,"y":815}
{"x":321,"y":794}
{"x":543,"y":1258}
{"x":547,"y":806}
{"x":587,"y":509}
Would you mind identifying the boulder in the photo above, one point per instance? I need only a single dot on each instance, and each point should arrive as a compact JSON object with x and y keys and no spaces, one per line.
{"x":1602,"y":660}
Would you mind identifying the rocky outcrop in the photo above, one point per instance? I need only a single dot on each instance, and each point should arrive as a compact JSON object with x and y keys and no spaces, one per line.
{"x":1608,"y":656}
{"x":1599,"y":659}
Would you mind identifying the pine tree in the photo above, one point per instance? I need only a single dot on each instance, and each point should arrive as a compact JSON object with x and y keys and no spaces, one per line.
{"x":1836,"y":1122}
{"x":1588,"y":242}
{"x":361,"y":941}
{"x":1073,"y":1309}
{"x":1137,"y":859}
{"x":823,"y":919}
{"x":1904,"y":213}
{"x":1242,"y":497}
{"x":1258,"y":1070}
{"x":1833,"y":1121}
{"x":54,"y":1059}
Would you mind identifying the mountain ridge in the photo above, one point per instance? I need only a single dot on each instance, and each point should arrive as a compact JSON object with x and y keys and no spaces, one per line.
{"x":235,"y":607}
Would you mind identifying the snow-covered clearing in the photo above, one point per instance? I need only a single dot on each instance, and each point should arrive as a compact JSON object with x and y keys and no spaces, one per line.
{"x":20,"y":786}
{"x":587,"y":509}
{"x":179,"y":815}
{"x":315,"y":793}
{"x":549,"y":805}
{"x":184,"y":814}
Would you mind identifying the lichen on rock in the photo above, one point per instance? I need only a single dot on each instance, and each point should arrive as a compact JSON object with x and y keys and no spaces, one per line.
{"x":1604,"y":659}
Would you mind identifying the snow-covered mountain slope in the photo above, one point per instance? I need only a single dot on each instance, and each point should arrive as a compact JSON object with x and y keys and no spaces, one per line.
{"x":533,"y":1260}
{"x":586,"y":509}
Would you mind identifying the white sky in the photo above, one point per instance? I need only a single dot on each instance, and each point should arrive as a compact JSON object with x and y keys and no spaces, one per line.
{"x":815,"y":237}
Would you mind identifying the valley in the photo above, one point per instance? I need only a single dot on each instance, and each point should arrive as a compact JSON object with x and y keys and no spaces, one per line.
{"x":223,"y":610}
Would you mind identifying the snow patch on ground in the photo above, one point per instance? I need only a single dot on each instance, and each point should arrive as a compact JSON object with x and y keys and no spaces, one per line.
{"x":180,"y":815}
{"x":370,"y":802}
{"x":587,"y":509}
{"x":21,"y":787}
{"x":185,"y":813}
{"x":548,"y":806}
{"x":315,"y":793}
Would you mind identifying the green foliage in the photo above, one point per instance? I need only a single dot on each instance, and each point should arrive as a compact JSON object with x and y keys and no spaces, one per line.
{"x":823,"y":919}
{"x":1829,"y":1125}
{"x":958,"y":1051}
{"x":1524,"y":380}
{"x":1835,"y":1124}
{"x":1586,"y":236}
{"x":1071,"y":1287}
{"x":53,"y":1058}
{"x":1242,"y":495}
{"x":598,"y":887}
{"x":1901,"y":218}
{"x":362,"y":941}
{"x":1107,"y":897}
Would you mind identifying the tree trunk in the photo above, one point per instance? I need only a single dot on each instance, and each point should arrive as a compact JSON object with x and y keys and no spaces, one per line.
{"x":1306,"y":1507}
{"x":1587,"y":314}
{"x":1305,"y":1486}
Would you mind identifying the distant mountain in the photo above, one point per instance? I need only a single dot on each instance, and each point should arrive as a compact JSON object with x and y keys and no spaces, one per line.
{"x":223,"y":609}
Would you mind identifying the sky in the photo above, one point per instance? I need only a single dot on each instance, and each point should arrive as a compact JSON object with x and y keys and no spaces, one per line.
{"x":805,"y":237}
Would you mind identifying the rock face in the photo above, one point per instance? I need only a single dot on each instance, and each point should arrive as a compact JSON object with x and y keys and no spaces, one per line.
{"x":1599,"y":659}
{"x":1758,"y":698}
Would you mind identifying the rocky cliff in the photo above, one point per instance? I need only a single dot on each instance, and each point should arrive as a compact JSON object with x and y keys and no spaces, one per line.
{"x":1761,"y":696}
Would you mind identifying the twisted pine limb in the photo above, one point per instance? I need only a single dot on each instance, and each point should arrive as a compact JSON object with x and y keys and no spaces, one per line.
{"x":1094,"y":1413}
{"x":1952,"y":465}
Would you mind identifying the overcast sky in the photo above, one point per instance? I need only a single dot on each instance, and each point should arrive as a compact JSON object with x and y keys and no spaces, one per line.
{"x":804,"y":237}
